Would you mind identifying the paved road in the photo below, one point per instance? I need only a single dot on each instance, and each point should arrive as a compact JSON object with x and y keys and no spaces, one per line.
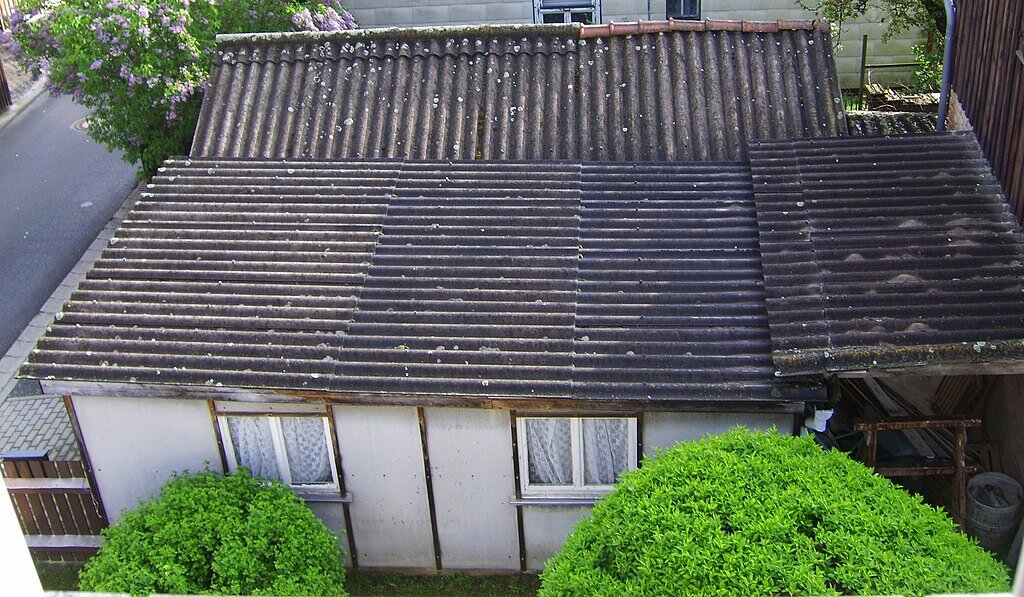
{"x":57,"y":190}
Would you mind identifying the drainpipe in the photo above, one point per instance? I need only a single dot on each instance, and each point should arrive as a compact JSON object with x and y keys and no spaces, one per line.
{"x":947,"y":63}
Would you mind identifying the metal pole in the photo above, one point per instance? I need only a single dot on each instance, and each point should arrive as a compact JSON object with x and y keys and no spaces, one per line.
{"x":947,"y":63}
{"x":863,"y":71}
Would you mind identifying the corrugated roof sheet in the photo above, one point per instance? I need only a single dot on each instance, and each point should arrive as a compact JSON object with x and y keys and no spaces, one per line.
{"x":671,"y":295}
{"x":886,"y":253}
{"x":523,"y":92}
{"x":466,"y":279}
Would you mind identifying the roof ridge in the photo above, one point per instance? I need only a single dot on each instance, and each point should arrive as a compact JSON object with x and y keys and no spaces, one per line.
{"x":401,"y":33}
{"x":634,"y":27}
{"x":574,"y":30}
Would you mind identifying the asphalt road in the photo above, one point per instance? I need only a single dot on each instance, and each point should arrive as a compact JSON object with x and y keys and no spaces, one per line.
{"x":58,"y":189}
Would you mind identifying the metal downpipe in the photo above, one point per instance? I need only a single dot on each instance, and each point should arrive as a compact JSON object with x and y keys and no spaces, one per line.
{"x":947,"y":63}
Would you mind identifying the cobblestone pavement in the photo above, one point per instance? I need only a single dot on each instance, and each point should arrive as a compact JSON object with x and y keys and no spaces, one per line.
{"x":18,"y":80}
{"x":37,"y":423}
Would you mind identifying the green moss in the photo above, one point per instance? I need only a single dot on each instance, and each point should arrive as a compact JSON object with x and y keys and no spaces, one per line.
{"x":763,"y":514}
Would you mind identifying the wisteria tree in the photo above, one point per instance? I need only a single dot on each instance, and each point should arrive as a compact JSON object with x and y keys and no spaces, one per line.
{"x":141,"y":65}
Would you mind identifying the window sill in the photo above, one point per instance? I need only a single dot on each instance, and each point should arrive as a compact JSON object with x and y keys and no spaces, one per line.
{"x":556,"y":500}
{"x":322,"y":496}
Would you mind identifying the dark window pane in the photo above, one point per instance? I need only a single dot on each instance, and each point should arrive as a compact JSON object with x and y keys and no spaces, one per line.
{"x":554,"y":17}
{"x":682,"y":9}
{"x":559,"y":4}
{"x":586,"y":18}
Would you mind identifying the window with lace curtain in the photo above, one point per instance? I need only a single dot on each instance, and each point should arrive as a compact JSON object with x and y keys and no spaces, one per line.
{"x":574,"y":455}
{"x":294,"y":450}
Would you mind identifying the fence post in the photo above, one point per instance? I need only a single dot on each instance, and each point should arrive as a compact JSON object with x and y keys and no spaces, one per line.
{"x":5,"y":91}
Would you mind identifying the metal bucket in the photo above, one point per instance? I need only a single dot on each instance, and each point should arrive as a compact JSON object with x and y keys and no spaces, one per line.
{"x":993,"y":505}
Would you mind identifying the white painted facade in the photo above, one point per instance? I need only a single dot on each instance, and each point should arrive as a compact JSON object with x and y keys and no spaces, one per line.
{"x":408,"y":13}
{"x":134,"y":445}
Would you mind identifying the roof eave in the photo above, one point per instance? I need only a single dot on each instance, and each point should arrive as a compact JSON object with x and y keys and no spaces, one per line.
{"x":983,"y":357}
{"x":58,"y":387}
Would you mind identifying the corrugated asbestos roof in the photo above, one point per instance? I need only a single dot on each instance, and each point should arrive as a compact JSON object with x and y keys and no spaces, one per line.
{"x":466,"y":279}
{"x":886,"y":253}
{"x":683,"y":92}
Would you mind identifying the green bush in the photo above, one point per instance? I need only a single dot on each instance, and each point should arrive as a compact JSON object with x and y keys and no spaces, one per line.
{"x":763,"y":514}
{"x":207,"y":534}
{"x":141,"y":65}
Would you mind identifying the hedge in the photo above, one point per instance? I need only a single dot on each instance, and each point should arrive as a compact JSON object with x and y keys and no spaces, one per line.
{"x":748,"y":513}
{"x":207,"y":534}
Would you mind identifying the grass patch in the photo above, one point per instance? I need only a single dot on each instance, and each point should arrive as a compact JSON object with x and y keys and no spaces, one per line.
{"x":59,"y":576}
{"x":64,"y":577}
{"x":451,"y":585}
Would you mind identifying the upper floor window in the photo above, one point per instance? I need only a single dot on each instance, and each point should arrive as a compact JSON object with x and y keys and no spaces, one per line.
{"x":294,"y":450}
{"x":586,"y":12}
{"x":575,"y":455}
{"x":682,"y":9}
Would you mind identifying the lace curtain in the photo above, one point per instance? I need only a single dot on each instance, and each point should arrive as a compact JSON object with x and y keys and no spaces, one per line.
{"x":549,"y":449}
{"x":605,"y":454}
{"x":254,"y":448}
{"x":306,"y":445}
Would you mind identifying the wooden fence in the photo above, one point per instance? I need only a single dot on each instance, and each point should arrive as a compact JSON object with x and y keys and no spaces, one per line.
{"x":6,"y":8}
{"x":58,"y":512}
{"x":5,"y":89}
{"x":988,"y":77}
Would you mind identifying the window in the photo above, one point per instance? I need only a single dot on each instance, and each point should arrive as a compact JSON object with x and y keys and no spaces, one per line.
{"x":682,"y":9}
{"x":575,"y":455}
{"x":295,"y":450}
{"x":585,"y":12}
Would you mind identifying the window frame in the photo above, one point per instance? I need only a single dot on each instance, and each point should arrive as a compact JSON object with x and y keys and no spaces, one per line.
{"x":594,"y":9}
{"x":578,"y":487}
{"x":280,"y":448}
{"x":682,"y":17}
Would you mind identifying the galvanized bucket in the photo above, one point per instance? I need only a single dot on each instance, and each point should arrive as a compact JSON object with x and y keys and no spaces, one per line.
{"x":993,"y":505}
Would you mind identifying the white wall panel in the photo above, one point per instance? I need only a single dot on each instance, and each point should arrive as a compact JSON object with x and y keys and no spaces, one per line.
{"x":473,"y":478}
{"x":383,"y":465}
{"x":136,"y":444}
{"x":545,"y":529}
{"x":665,"y":429}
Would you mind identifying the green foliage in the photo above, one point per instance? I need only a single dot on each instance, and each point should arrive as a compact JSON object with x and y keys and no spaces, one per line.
{"x":763,"y":514}
{"x":928,"y":75}
{"x":899,"y":15}
{"x":141,"y":65}
{"x":207,"y":534}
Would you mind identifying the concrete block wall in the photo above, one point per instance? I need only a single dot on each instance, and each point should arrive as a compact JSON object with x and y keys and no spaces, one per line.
{"x":847,"y":55}
{"x":407,"y":13}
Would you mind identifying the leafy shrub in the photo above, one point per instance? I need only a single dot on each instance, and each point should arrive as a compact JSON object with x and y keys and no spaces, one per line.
{"x":142,"y":65}
{"x":207,"y":534}
{"x":763,"y":514}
